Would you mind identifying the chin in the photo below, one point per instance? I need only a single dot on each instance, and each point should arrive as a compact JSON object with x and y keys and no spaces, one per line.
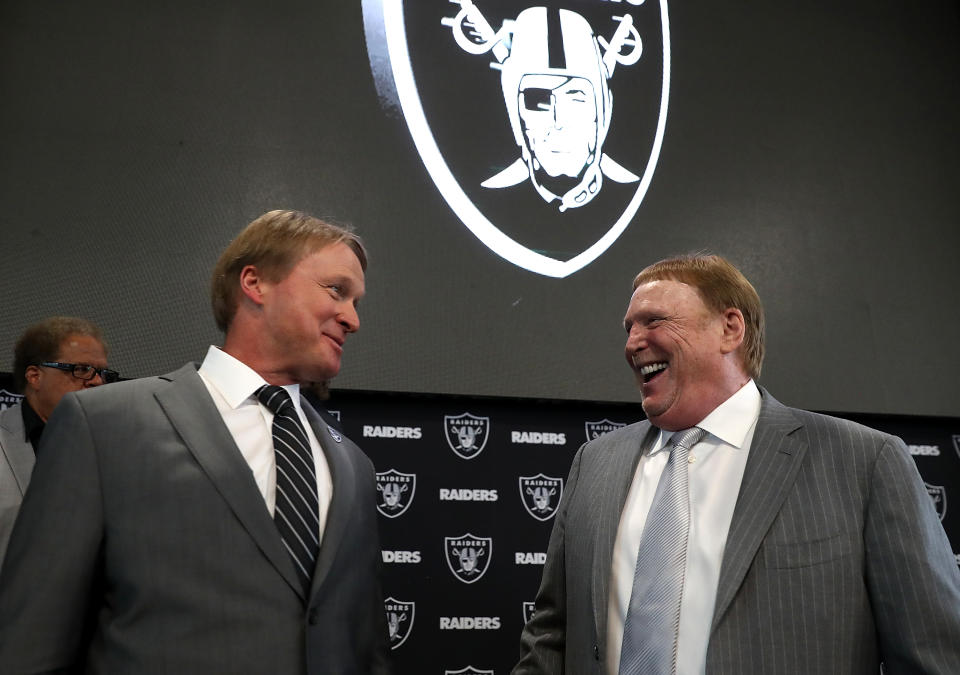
{"x":661,"y":418}
{"x":318,"y":372}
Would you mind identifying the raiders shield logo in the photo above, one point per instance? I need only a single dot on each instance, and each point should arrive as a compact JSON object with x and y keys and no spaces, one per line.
{"x":956,"y":443}
{"x":468,"y":557}
{"x":399,"y":620}
{"x":939,"y":496}
{"x":466,"y":434}
{"x":528,"y":610}
{"x":469,"y":670}
{"x":540,"y":123}
{"x":598,"y":429}
{"x":541,"y":495}
{"x":8,"y":398}
{"x":395,"y":492}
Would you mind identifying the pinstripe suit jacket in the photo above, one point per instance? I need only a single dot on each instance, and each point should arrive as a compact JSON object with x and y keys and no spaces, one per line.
{"x":144,"y":546}
{"x":835,"y":559}
{"x":16,"y":463}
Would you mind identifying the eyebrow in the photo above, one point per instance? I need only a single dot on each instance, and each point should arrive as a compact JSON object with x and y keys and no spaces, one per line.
{"x":349,"y":285}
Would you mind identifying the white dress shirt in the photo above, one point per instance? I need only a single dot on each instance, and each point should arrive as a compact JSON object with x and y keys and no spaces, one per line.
{"x":232,"y":385}
{"x":715,"y":472}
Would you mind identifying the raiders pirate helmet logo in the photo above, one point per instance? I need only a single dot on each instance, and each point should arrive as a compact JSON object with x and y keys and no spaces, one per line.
{"x":468,"y":557}
{"x":400,"y":616}
{"x":541,"y":495}
{"x":466,"y":434}
{"x":541,"y":125}
{"x":395,"y":490}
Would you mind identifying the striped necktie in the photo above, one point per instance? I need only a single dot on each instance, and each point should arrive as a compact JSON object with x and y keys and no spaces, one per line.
{"x":652,"y":625}
{"x":296,"y":512}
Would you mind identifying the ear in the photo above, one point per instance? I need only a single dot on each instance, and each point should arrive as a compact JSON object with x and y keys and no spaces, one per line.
{"x":252,"y":284}
{"x":733,"y":330}
{"x":33,"y":375}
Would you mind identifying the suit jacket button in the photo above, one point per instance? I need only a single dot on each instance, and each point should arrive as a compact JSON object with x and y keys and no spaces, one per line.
{"x":313,"y":617}
{"x":596,"y":652}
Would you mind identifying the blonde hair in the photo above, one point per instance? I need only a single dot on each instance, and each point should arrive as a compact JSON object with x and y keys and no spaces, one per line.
{"x":275,"y":242}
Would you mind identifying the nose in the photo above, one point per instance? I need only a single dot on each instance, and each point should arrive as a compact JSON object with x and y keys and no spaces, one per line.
{"x":94,"y":381}
{"x":636,"y":341}
{"x":349,"y":318}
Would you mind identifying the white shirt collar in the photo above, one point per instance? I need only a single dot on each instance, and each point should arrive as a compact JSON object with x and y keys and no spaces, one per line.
{"x":731,"y":421}
{"x":235,"y":380}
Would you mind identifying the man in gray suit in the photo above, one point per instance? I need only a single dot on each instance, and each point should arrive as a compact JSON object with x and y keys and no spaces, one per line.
{"x":52,"y":357}
{"x":209,"y":521}
{"x":780,"y":542}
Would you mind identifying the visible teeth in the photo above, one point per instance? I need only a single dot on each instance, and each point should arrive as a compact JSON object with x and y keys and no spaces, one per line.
{"x":652,"y":368}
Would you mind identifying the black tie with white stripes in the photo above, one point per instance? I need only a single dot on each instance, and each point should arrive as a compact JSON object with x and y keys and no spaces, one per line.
{"x":296,"y":513}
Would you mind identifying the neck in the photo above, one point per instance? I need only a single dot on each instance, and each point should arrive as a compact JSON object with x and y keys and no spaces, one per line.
{"x":249,"y":349}
{"x":30,"y":398}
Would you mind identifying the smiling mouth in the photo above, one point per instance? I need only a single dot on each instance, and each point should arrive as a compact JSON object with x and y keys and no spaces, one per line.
{"x":652,"y":370}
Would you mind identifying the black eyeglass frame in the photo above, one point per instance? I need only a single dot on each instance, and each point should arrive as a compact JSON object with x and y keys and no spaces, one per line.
{"x":105,"y":374}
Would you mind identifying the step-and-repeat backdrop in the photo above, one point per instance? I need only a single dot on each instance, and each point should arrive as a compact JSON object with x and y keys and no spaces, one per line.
{"x":467,"y":490}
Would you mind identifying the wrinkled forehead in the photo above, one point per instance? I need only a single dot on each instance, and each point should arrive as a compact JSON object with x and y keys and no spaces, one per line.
{"x":666,"y":295}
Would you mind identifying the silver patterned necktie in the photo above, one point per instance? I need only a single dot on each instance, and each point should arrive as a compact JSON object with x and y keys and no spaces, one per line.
{"x":297,"y":509}
{"x":653,"y":618}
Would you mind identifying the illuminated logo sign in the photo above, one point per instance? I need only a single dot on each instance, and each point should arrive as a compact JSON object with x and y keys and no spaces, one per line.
{"x":8,"y":398}
{"x":466,"y":434}
{"x":399,"y":620}
{"x":598,"y":429}
{"x":468,"y":557}
{"x":939,"y":496}
{"x":541,"y":125}
{"x":541,"y":495}
{"x":396,"y":492}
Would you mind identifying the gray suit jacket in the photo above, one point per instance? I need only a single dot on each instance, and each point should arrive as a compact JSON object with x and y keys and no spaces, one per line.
{"x":144,"y":546}
{"x":16,"y":463}
{"x":835,"y":559}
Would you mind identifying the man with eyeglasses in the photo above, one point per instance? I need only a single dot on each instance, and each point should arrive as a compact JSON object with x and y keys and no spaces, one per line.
{"x":55,"y":356}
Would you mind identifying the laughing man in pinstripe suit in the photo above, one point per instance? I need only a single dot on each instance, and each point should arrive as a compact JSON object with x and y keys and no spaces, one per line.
{"x":813,"y":546}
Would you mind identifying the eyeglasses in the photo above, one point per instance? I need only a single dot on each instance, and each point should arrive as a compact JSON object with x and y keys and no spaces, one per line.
{"x":83,"y":371}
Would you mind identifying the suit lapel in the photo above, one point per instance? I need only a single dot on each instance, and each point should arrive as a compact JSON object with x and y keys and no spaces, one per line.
{"x":18,"y":451}
{"x":622,"y":459}
{"x":192,"y":413}
{"x":343,"y":478}
{"x":776,"y":454}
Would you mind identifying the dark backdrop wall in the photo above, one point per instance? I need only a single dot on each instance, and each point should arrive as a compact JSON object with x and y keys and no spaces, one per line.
{"x":813,"y":143}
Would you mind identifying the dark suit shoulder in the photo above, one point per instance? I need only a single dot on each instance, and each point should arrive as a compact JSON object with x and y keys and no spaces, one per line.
{"x":624,"y":439}
{"x":842,"y":431}
{"x":126,"y":388}
{"x":822,"y":431}
{"x":126,"y":402}
{"x":842,"y":448}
